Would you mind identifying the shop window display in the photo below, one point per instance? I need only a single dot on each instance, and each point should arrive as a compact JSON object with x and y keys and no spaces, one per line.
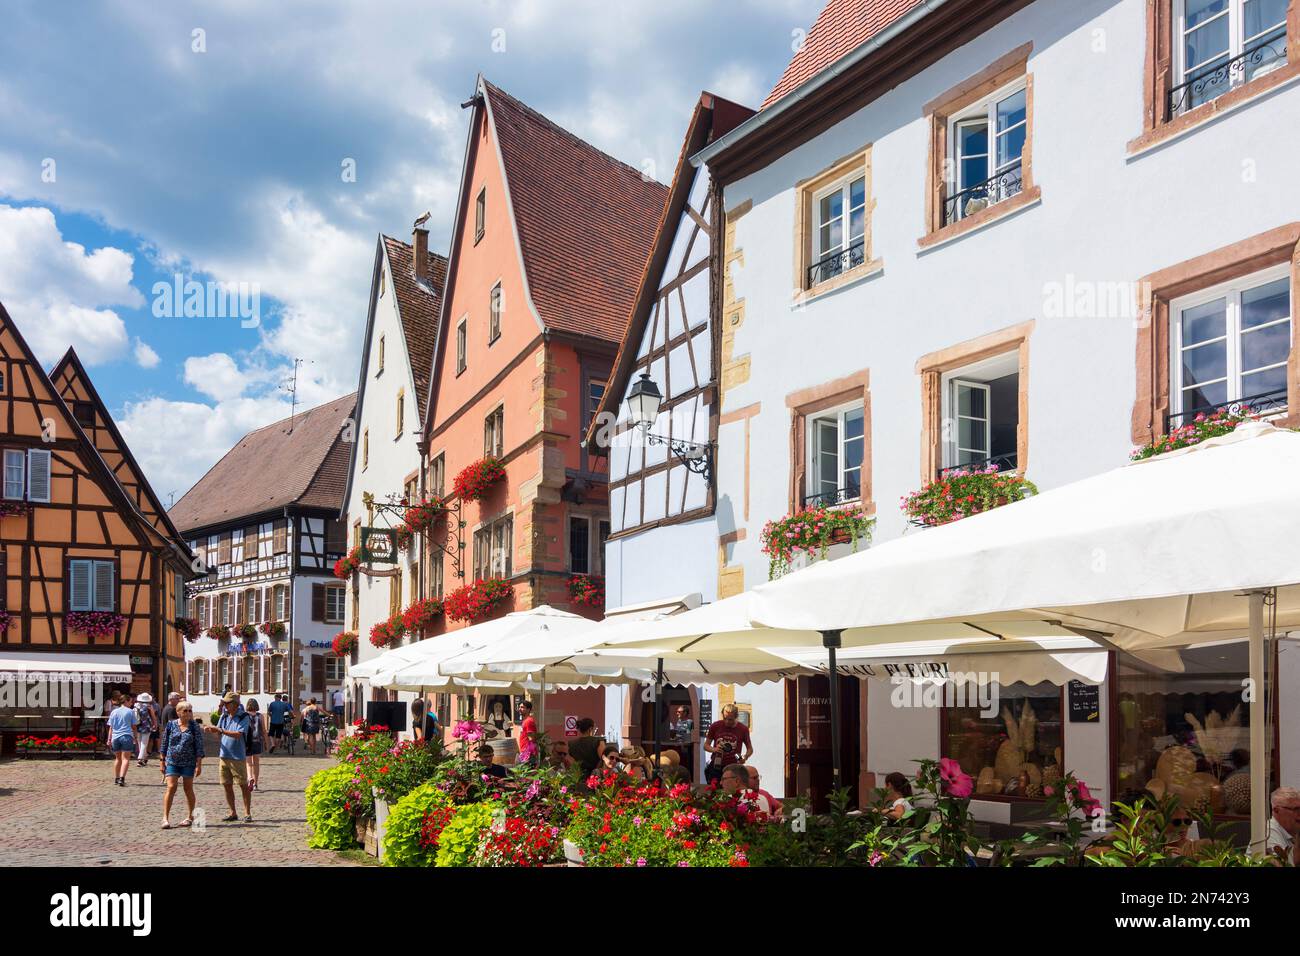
{"x":1014,"y":752}
{"x":1187,"y":733}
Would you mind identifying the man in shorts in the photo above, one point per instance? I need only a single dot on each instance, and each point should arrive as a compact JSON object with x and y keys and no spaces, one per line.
{"x":275,"y":714}
{"x":233,"y":726}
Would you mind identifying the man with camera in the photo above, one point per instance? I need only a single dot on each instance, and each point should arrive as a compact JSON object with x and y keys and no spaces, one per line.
{"x":727,"y":742}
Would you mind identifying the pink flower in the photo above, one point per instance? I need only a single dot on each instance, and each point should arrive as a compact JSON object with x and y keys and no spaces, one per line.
{"x":956,"y":782}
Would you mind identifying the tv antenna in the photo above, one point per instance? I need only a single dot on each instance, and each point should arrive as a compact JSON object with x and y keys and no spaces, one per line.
{"x":291,"y":386}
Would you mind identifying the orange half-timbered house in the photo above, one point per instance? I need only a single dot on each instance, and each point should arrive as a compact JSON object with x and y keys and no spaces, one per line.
{"x":83,"y":538}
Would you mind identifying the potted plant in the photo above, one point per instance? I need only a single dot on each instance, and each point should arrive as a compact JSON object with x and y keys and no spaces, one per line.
{"x":189,"y":628}
{"x":1221,"y":422}
{"x":245,"y":631}
{"x":272,"y":628}
{"x":423,"y":515}
{"x":421,"y":614}
{"x":387,"y":633}
{"x":812,"y":532}
{"x":964,"y":492}
{"x":474,"y":482}
{"x":94,"y":623}
{"x":587,"y":590}
{"x":11,"y":508}
{"x":345,"y":566}
{"x":219,"y":632}
{"x":344,"y":643}
{"x":471,"y":602}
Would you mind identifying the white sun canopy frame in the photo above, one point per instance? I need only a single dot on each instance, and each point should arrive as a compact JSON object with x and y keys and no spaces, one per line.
{"x":1183,"y":548}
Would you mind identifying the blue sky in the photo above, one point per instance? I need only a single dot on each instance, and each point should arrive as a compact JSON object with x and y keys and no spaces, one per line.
{"x":133,"y":148}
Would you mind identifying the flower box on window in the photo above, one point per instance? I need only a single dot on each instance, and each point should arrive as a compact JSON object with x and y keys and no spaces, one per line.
{"x":95,"y":623}
{"x":387,"y":633}
{"x":219,"y":632}
{"x":1221,"y":422}
{"x":964,"y":492}
{"x":345,"y":567}
{"x":11,"y":508}
{"x":423,"y":515}
{"x":246,"y":631}
{"x":421,"y":614}
{"x":272,"y":628}
{"x":344,"y":643}
{"x":587,"y":590}
{"x":474,"y":482}
{"x":812,"y":532}
{"x":471,"y":602}
{"x":5,"y":620}
{"x":189,"y":628}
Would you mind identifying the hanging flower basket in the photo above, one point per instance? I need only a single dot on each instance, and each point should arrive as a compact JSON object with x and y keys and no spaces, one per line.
{"x":219,"y":632}
{"x":345,"y":567}
{"x":9,"y":508}
{"x":5,"y":620}
{"x":189,"y":628}
{"x":387,"y":633}
{"x":1221,"y":422}
{"x":587,"y":590}
{"x":812,"y":532}
{"x":345,"y":642}
{"x":245,"y":631}
{"x":95,"y":623}
{"x":421,"y":614}
{"x":474,"y":482}
{"x":424,"y":515}
{"x":960,"y":494}
{"x":272,"y":628}
{"x":470,"y":602}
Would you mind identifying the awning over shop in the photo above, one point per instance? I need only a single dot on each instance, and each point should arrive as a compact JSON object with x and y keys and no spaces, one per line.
{"x":64,"y":667}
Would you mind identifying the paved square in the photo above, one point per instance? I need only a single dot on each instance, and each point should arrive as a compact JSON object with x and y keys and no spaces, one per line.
{"x":68,"y":813}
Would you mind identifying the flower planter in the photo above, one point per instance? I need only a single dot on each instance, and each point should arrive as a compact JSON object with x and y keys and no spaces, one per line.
{"x":366,"y":836}
{"x":380,"y":825}
{"x":572,"y":855}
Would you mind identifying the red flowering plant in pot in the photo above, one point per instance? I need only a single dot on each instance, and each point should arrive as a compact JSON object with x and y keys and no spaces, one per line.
{"x":812,"y":532}
{"x":219,"y":632}
{"x":245,"y":632}
{"x":345,"y":566}
{"x":1221,"y":422}
{"x":421,"y":614}
{"x":423,"y":515}
{"x":188,"y":626}
{"x":471,"y":602}
{"x":965,"y":492}
{"x":387,"y":633}
{"x":94,"y":623}
{"x":519,"y":842}
{"x":344,"y":643}
{"x":55,"y":742}
{"x":587,"y":590}
{"x":473,"y":483}
{"x":272,"y":628}
{"x":10,"y":508}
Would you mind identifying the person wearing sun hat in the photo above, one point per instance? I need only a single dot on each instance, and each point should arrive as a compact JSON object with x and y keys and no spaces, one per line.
{"x":147,"y":724}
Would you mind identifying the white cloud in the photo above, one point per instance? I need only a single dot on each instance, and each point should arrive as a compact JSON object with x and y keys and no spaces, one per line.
{"x":145,"y":356}
{"x":216,"y":376}
{"x":58,"y":292}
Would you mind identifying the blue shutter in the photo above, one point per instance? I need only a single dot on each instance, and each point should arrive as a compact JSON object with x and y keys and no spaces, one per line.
{"x":105,"y":590}
{"x":79,"y":596}
{"x":38,"y":475}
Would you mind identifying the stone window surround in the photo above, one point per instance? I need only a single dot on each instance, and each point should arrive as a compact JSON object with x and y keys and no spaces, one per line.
{"x":1160,"y":288}
{"x":932,"y":367}
{"x":818,"y":398}
{"x":938,"y":111}
{"x":805,"y":217}
{"x":1158,"y":78}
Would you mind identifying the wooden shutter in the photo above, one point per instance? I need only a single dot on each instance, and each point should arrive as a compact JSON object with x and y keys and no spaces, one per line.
{"x":318,"y":602}
{"x":280,"y":536}
{"x":223,"y":550}
{"x":267,"y":686}
{"x":79,"y":596}
{"x":38,"y":474}
{"x":239,"y":607}
{"x":336,"y":536}
{"x":317,"y":674}
{"x":395,"y":594}
{"x":105,"y":586}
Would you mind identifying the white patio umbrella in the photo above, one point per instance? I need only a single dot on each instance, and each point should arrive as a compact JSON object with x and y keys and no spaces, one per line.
{"x":1179,"y":549}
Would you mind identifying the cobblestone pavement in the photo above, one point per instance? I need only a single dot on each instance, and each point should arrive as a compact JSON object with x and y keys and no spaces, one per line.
{"x":68,"y":813}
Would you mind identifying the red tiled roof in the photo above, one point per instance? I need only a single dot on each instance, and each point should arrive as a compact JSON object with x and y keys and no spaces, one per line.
{"x":418,"y":304}
{"x":271,"y":468}
{"x":586,"y":221}
{"x":841,"y":27}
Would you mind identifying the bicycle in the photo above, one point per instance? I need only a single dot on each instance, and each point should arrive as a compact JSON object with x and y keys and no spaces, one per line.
{"x":329,"y":735}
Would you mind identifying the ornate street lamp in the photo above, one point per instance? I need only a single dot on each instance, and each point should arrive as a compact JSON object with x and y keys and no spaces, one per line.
{"x":643,"y":402}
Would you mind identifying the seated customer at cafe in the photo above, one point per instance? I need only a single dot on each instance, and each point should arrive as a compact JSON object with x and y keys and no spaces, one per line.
{"x":735,"y":781}
{"x":485,"y":757}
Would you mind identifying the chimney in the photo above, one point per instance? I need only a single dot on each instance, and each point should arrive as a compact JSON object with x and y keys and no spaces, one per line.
{"x":420,"y":248}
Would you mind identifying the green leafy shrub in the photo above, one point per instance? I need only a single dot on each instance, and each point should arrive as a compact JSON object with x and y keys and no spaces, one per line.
{"x":402,"y":837}
{"x":460,"y":837}
{"x":328,"y":811}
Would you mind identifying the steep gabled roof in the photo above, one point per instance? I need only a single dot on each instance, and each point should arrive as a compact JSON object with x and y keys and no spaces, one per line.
{"x":418,"y":306}
{"x":712,"y":117}
{"x":585,"y":220}
{"x":271,"y":468}
{"x":841,"y":27}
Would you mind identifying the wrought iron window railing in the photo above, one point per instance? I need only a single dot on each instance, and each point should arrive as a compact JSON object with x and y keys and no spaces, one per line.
{"x":827,"y":499}
{"x":1002,"y":185}
{"x":1002,"y":462}
{"x":837,"y":263}
{"x":1208,"y":84}
{"x":1266,"y":403}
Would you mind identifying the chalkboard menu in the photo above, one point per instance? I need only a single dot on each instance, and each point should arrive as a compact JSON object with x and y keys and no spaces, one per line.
{"x":1085,"y":703}
{"x":706,"y":716}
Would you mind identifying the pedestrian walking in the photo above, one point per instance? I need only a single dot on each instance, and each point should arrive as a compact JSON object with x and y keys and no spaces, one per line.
{"x":233,"y":726}
{"x":277,"y":712}
{"x":146,"y":724}
{"x":122,"y":737}
{"x":256,"y":741}
{"x":311,"y":717}
{"x":180,"y":758}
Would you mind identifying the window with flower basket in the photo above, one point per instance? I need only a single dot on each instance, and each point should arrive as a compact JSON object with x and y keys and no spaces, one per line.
{"x":960,"y":493}
{"x":387,"y":633}
{"x":810,"y":533}
{"x":471,"y":602}
{"x":421,"y":614}
{"x":587,"y":590}
{"x":473,"y":483}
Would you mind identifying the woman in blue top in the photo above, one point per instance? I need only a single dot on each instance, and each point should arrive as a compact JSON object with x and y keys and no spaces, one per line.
{"x":122,"y":737}
{"x":181,"y":755}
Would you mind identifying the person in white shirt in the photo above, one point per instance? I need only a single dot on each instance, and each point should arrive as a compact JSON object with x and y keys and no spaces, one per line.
{"x":1284,"y":825}
{"x":897,"y":789}
{"x":338,"y":707}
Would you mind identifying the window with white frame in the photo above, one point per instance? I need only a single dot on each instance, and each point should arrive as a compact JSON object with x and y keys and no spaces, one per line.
{"x":1231,"y":343}
{"x":27,"y":474}
{"x":493,"y":547}
{"x":460,"y":347}
{"x":987,"y":140}
{"x":1221,"y":44}
{"x":494,"y":437}
{"x":835,"y":451}
{"x":981,"y":414}
{"x":335,"y":605}
{"x":494,"y":314}
{"x":839,"y":228}
{"x":333,"y":669}
{"x":92,"y":585}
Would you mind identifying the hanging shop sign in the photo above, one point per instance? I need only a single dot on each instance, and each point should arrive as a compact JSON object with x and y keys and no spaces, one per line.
{"x":379,"y":545}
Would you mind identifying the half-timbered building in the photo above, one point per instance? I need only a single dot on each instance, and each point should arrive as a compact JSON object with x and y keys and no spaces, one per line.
{"x":92,"y":569}
{"x":264,"y":523}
